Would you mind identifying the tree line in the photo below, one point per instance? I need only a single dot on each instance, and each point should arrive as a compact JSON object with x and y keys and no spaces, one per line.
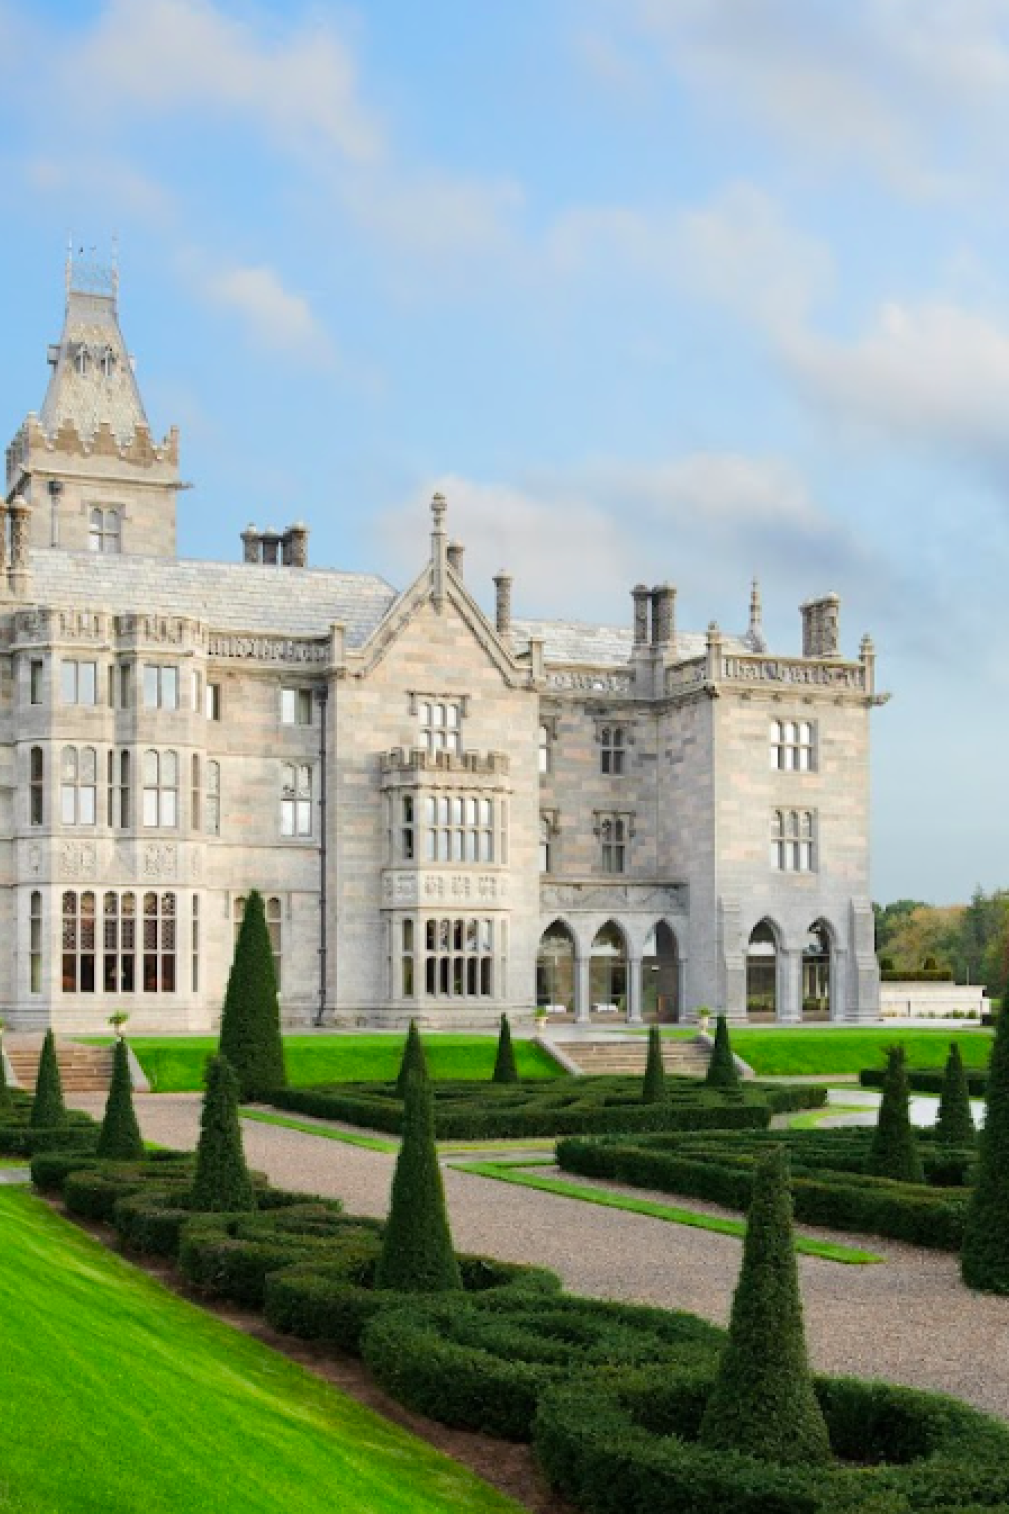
{"x":971,"y":940}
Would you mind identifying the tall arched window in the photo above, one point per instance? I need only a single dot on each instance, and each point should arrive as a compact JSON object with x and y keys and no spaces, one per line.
{"x":78,"y":784}
{"x":612,"y":743}
{"x":295,"y":799}
{"x":793,"y":837}
{"x":36,"y":786}
{"x":212,"y":810}
{"x":161,"y":789}
{"x":79,"y":926}
{"x":35,"y":944}
{"x":159,"y":943}
{"x":194,"y":796}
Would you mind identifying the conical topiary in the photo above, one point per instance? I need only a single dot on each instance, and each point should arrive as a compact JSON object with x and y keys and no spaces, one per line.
{"x":894,"y":1152}
{"x":954,"y":1125}
{"x":505,"y":1066}
{"x":722,"y":1071}
{"x":250,"y":1025}
{"x":653,"y":1089}
{"x":414,"y":1060}
{"x":984,"y":1260}
{"x":222,"y":1183}
{"x":763,"y":1402}
{"x":48,"y":1108}
{"x":120,"y":1138}
{"x":6,"y":1099}
{"x":417,"y":1254}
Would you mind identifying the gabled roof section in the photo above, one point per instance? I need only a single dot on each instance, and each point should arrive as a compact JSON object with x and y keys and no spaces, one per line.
{"x":574,"y":643}
{"x":92,"y":379}
{"x":225,"y":596}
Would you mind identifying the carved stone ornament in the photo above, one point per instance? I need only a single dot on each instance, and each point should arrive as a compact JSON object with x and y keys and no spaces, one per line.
{"x":35,"y":860}
{"x":78,"y":859}
{"x":161,"y":859}
{"x":591,"y":681}
{"x":408,"y":888}
{"x":655,"y":898}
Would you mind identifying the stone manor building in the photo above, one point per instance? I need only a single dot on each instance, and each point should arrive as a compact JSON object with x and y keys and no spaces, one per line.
{"x":449,"y":815}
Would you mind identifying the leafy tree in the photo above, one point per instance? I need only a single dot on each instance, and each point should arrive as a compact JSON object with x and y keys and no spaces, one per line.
{"x":120,"y":1138}
{"x":417,"y":1254}
{"x":413,"y":1060}
{"x":250,"y":1025}
{"x":955,"y":1123}
{"x":653,"y":1090}
{"x":894,"y":1149}
{"x":722,"y":1071}
{"x":222,"y":1183}
{"x":505,"y":1066}
{"x":48,"y":1108}
{"x":984,"y":1260}
{"x":763,"y":1403}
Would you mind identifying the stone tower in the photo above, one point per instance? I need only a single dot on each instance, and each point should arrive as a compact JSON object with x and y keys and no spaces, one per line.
{"x":84,"y":473}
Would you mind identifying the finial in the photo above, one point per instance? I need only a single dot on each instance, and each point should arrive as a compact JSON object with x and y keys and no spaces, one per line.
{"x":866,"y":646}
{"x":713,"y":628}
{"x":756,"y":607}
{"x":439,"y":505}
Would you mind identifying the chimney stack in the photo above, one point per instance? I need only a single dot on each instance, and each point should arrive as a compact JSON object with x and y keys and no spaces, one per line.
{"x":503,"y":602}
{"x":456,"y":551}
{"x":663,"y":615}
{"x":294,"y":545}
{"x":821,"y":626}
{"x":642,"y":599}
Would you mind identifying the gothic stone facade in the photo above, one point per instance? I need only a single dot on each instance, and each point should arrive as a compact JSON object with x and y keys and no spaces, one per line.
{"x":450,"y":816}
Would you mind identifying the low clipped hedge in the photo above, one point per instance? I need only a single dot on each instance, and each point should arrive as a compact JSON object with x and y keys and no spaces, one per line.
{"x":483,"y":1363}
{"x":829,"y":1184}
{"x":928,"y":1079}
{"x":232,"y":1256}
{"x":918,"y":975}
{"x":630,"y":1447}
{"x":78,"y":1132}
{"x":561,"y":1106}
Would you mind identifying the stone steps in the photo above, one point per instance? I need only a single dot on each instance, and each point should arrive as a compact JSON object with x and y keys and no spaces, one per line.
{"x":628,"y":1058}
{"x":83,"y":1069}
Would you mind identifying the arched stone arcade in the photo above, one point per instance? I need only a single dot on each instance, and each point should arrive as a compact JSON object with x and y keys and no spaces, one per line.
{"x":609,"y":970}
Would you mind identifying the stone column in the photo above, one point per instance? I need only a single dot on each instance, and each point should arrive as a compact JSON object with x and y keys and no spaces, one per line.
{"x":789,"y":966}
{"x":439,"y":549}
{"x":681,"y":989}
{"x":838,"y":982}
{"x":583,"y":985}
{"x":633,"y":989}
{"x":503,"y":602}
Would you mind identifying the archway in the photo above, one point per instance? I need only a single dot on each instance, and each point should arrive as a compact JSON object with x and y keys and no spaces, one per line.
{"x":660,"y":975}
{"x":555,"y":970}
{"x":816,"y":972}
{"x":608,"y":972}
{"x":762,"y":972}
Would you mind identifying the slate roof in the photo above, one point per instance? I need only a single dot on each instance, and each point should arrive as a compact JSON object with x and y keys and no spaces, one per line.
{"x":577,"y":643}
{"x":227,"y":596}
{"x":85,"y":399}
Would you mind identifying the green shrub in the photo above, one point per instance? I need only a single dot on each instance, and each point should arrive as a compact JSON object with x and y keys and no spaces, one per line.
{"x":765,"y":1362}
{"x":222,"y":1182}
{"x":505,"y":1069}
{"x":48,"y":1109}
{"x":250,"y":1024}
{"x":120,"y":1139}
{"x":332,"y":1300}
{"x":417,"y":1253}
{"x":653,"y":1089}
{"x":413,"y":1060}
{"x":954,"y":1125}
{"x":928,"y":1079}
{"x":829,"y":1185}
{"x":49,"y":1169}
{"x":233,"y":1256}
{"x":482,"y":1363}
{"x":722,"y":1071}
{"x":985,"y":1256}
{"x":894,"y":1150}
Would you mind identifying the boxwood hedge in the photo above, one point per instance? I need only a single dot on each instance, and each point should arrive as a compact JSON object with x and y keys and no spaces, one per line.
{"x":629,"y":1447}
{"x":928,"y":1079}
{"x":559,"y":1106}
{"x":78,"y":1131}
{"x":829,"y":1183}
{"x":483,"y":1363}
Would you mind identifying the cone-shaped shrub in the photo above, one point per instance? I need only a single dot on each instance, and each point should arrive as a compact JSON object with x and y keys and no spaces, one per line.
{"x":505,"y":1066}
{"x":653,"y":1089}
{"x":120,"y":1138}
{"x":222,"y":1182}
{"x":48,"y":1107}
{"x":955,"y":1123}
{"x":985,"y":1255}
{"x":5,"y":1094}
{"x":722,"y":1071}
{"x":763,"y":1402}
{"x":250,"y":1025}
{"x":417,"y":1254}
{"x":894,"y":1149}
{"x":414,"y":1060}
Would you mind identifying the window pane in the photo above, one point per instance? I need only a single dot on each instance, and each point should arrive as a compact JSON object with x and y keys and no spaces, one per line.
{"x":287,"y":706}
{"x":169,"y":807}
{"x":150,"y":806}
{"x":88,"y":683}
{"x":87,"y":806}
{"x":151,"y":688}
{"x":170,"y":688}
{"x":68,"y":682}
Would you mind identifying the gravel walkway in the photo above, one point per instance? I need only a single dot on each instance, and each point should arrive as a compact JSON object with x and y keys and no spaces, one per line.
{"x":910,"y":1320}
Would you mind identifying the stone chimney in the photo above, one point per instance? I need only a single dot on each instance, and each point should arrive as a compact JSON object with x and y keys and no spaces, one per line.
{"x":820,"y":626}
{"x":250,"y":544}
{"x":642,"y":597}
{"x":294,"y":545}
{"x":456,"y":553}
{"x":663,"y":615}
{"x":503,"y":602}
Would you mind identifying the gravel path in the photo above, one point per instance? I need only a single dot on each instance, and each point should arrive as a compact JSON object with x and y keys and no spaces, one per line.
{"x":910,"y":1320}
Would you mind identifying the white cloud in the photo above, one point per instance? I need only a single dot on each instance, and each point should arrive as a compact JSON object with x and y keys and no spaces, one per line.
{"x":933,"y":374}
{"x":274,"y":317}
{"x":99,"y":185}
{"x":296,"y":85}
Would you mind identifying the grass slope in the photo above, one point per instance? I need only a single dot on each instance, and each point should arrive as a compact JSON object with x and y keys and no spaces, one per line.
{"x":118,"y":1396}
{"x":174,"y":1064}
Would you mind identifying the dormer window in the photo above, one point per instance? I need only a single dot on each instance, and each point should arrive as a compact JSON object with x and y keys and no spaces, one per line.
{"x":82,"y":361}
{"x":107,"y":362}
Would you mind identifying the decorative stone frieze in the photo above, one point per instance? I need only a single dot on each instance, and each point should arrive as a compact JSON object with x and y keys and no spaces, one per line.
{"x":405,"y":887}
{"x":610,"y":895}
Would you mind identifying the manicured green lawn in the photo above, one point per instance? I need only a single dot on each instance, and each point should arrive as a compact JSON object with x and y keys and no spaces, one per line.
{"x":806,"y":1052}
{"x":118,"y":1397}
{"x":174,"y":1064}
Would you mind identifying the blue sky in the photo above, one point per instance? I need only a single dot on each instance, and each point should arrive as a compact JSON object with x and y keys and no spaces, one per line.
{"x":685,"y":289}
